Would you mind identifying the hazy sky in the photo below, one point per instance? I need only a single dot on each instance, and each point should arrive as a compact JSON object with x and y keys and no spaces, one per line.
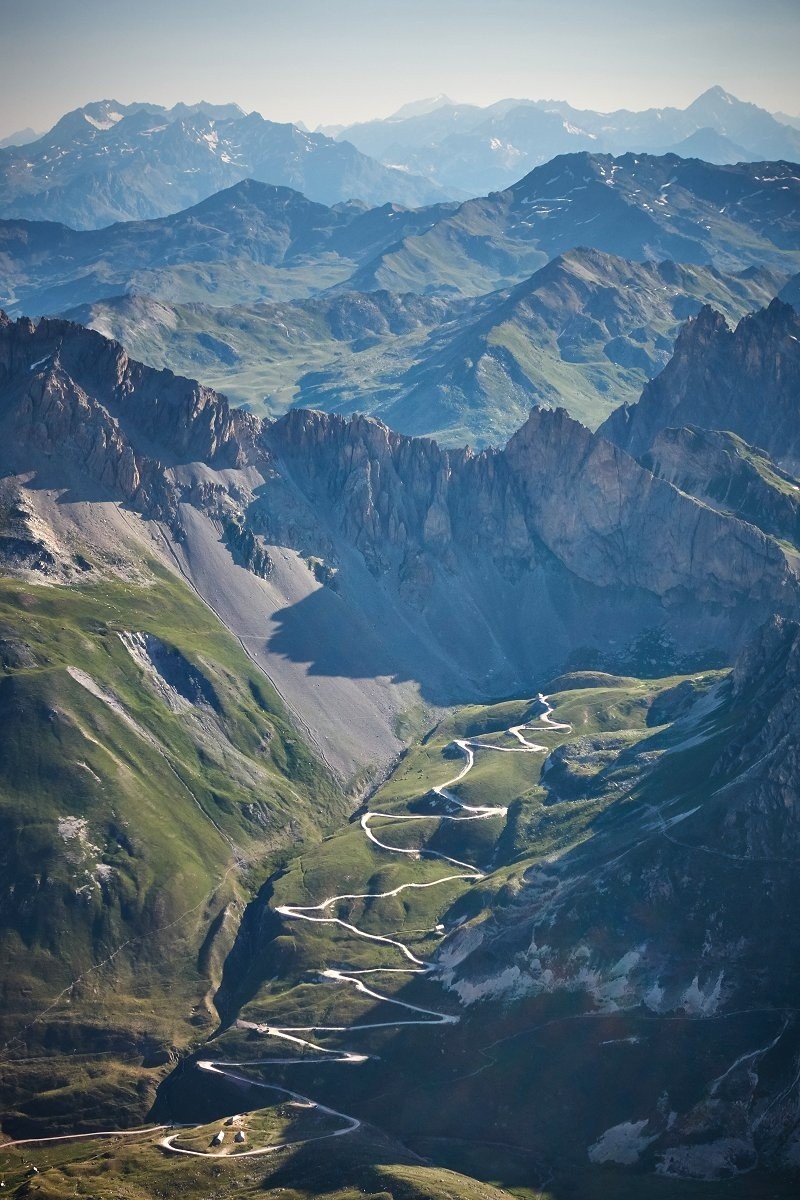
{"x":328,"y":61}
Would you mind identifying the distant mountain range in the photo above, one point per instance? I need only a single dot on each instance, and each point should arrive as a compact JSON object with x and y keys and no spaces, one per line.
{"x":110,"y":162}
{"x":20,"y":138}
{"x":451,"y":319}
{"x":255,"y":241}
{"x":466,"y":148}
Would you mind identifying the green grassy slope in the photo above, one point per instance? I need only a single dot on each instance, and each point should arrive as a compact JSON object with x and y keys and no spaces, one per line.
{"x":366,"y":1166}
{"x":586,"y":331}
{"x":487,"y":1098}
{"x":131,"y":833}
{"x":286,"y":989}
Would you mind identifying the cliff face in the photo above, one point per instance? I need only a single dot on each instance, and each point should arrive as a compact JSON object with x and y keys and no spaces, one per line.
{"x":763,"y":818}
{"x":723,"y":470}
{"x":458,"y":574}
{"x":555,"y":487}
{"x":746,"y":380}
{"x":613,"y":522}
{"x":173,"y":419}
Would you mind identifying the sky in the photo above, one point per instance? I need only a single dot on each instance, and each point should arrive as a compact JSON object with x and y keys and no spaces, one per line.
{"x":338,"y":61}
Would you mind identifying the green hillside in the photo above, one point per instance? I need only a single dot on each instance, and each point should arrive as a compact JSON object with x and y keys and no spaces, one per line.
{"x":139,"y":807}
{"x":586,"y":331}
{"x":493,"y":1100}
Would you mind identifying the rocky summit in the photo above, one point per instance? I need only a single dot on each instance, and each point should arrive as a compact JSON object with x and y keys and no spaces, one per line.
{"x":715,"y":378}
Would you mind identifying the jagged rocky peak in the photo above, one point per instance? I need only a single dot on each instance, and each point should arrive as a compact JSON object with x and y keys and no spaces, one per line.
{"x":381,"y":484}
{"x":302,"y":428}
{"x":746,"y":380}
{"x":64,"y":382}
{"x":548,"y":431}
{"x":701,"y":330}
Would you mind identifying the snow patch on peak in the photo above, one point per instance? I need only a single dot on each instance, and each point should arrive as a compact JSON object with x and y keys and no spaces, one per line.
{"x":703,"y":1002}
{"x":624,"y":1143}
{"x":577,"y":131}
{"x":106,"y":122}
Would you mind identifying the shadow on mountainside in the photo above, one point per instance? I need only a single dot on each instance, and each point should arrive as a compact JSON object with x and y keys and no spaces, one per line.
{"x":329,"y":634}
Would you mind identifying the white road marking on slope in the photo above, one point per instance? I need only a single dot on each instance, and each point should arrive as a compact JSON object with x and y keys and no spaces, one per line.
{"x":430,"y":1016}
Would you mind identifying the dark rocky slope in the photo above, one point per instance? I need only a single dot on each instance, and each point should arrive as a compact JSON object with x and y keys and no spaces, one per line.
{"x":671,"y":932}
{"x":725,"y":471}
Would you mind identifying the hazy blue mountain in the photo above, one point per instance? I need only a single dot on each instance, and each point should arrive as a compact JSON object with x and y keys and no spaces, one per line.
{"x":744,"y":123}
{"x":254,"y":242}
{"x":107,"y":162}
{"x":420,"y":108}
{"x":20,"y":138}
{"x":425,"y":127}
{"x":468,"y":148}
{"x":710,"y":146}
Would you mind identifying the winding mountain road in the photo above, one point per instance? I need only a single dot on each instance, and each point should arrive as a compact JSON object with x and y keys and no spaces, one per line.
{"x":321,"y":914}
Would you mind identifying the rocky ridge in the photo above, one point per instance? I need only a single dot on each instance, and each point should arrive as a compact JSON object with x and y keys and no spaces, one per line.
{"x":555,"y":488}
{"x":480,"y":570}
{"x":744,"y":380}
{"x":69,"y":390}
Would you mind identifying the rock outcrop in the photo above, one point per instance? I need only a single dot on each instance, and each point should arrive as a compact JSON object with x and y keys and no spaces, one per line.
{"x":745,"y":380}
{"x":721,"y":469}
